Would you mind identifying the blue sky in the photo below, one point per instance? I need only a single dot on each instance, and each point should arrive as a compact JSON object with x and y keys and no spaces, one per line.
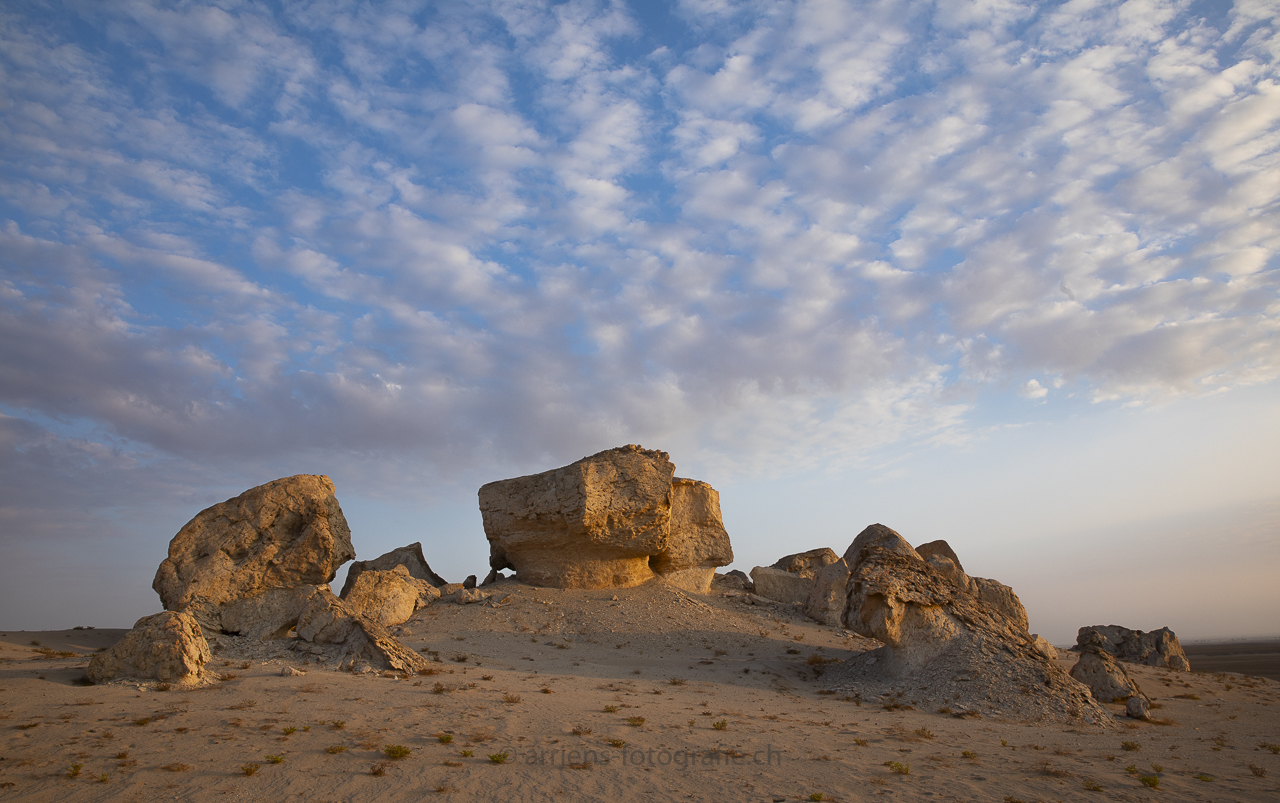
{"x":997,"y":272}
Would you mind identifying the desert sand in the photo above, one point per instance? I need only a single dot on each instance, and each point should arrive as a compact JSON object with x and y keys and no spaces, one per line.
{"x":644,"y":693}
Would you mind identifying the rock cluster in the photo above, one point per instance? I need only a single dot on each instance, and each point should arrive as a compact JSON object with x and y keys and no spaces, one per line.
{"x":1157,"y":648}
{"x":611,"y":520}
{"x":953,"y":636}
{"x":257,"y":567}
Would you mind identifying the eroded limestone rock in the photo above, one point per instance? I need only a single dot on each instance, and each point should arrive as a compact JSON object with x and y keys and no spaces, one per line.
{"x":388,"y":597}
{"x":807,"y":564}
{"x":372,"y":644}
{"x":268,"y":615}
{"x":698,"y":542}
{"x":168,"y":646}
{"x":829,"y":594}
{"x":1105,"y":677}
{"x":597,"y":523}
{"x":287,"y":533}
{"x":781,"y":586}
{"x":410,"y":557}
{"x":1156,"y":648}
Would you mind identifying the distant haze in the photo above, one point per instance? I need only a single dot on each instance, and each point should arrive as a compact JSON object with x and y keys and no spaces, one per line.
{"x":1004,"y":274}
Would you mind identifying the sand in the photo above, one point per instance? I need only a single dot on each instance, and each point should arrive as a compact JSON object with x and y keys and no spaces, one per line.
{"x":654,"y":695}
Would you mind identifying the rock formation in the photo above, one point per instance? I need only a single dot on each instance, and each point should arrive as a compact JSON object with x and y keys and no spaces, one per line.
{"x":781,"y":586}
{"x":807,"y":564}
{"x":268,"y":615}
{"x":285,"y":534}
{"x":371,"y":645}
{"x":1105,"y":677}
{"x":167,"y":646}
{"x":791,"y":579}
{"x":410,"y":557}
{"x":952,"y":636}
{"x":1157,"y":648}
{"x":829,"y":594}
{"x":598,"y":522}
{"x":697,"y":543}
{"x":390,"y":597}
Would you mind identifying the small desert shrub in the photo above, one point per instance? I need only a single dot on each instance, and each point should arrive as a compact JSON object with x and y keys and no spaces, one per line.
{"x":1092,"y":786}
{"x":163,"y":686}
{"x":467,"y":753}
{"x":289,"y":731}
{"x":616,"y":743}
{"x":274,"y":759}
{"x":379,"y":769}
{"x":720,"y":724}
{"x":677,"y":681}
{"x":103,"y":778}
{"x":510,"y":699}
{"x":581,"y":730}
{"x":439,"y":688}
{"x":445,"y":738}
{"x":969,"y":754}
{"x":249,"y":769}
{"x":1259,"y":772}
{"x":176,"y":767}
{"x":74,"y":770}
{"x":1150,"y":781}
{"x":1132,"y":769}
{"x":898,"y":767}
{"x":486,"y":677}
{"x":1131,"y":746}
{"x":338,"y":724}
{"x":449,"y":763}
{"x":924,"y":733}
{"x":816,"y":796}
{"x":122,"y":755}
{"x":792,"y":651}
{"x":1204,"y":777}
{"x":461,"y":657}
{"x":545,"y":690}
{"x":499,"y":758}
{"x":611,"y":709}
{"x":141,"y":722}
{"x":334,"y":749}
{"x":635,"y":722}
{"x":1274,"y":748}
{"x":396,"y":751}
{"x":860,"y":742}
{"x":1186,"y":697}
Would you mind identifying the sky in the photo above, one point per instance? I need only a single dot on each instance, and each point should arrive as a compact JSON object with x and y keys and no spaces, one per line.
{"x":1002,"y":273}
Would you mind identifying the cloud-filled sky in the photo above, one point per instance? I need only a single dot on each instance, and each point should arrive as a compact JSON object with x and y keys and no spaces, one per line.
{"x":840,"y":259}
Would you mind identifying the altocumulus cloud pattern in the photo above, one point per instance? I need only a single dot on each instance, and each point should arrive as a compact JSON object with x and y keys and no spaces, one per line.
{"x":450,"y":233}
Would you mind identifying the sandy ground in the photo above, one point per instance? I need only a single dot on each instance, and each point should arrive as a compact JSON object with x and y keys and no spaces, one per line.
{"x":654,"y":695}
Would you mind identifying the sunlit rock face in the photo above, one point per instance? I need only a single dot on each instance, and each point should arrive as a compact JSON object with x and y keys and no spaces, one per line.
{"x":614,"y":519}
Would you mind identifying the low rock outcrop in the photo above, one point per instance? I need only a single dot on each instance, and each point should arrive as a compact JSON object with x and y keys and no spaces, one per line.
{"x":287,"y":533}
{"x":697,"y":542}
{"x":388,"y":597}
{"x":828,"y":595}
{"x":168,"y":646}
{"x":807,"y":564}
{"x":599,"y":522}
{"x":949,"y":636}
{"x":410,"y":557}
{"x":269,"y":615}
{"x":781,"y":586}
{"x":1105,"y":677}
{"x":1157,"y":648}
{"x":372,"y":645}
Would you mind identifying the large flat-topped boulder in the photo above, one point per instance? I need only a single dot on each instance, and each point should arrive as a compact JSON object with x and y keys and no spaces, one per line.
{"x":285,"y":534}
{"x":698,"y":542}
{"x":390,"y":597}
{"x":590,"y":524}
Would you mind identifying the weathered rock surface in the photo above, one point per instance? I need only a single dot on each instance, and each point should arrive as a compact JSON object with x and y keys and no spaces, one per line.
{"x":168,"y":646}
{"x":597,"y":523}
{"x":733,"y":581}
{"x":269,"y":615}
{"x":1105,"y":677}
{"x":829,"y":594}
{"x":1137,"y":707}
{"x":1046,"y":649}
{"x":697,"y":542}
{"x":961,"y":638}
{"x":1157,"y":648}
{"x":410,"y":557}
{"x":807,"y":564}
{"x":371,"y":643}
{"x":325,"y":620}
{"x":388,"y":597}
{"x":287,"y":533}
{"x":781,"y":586}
